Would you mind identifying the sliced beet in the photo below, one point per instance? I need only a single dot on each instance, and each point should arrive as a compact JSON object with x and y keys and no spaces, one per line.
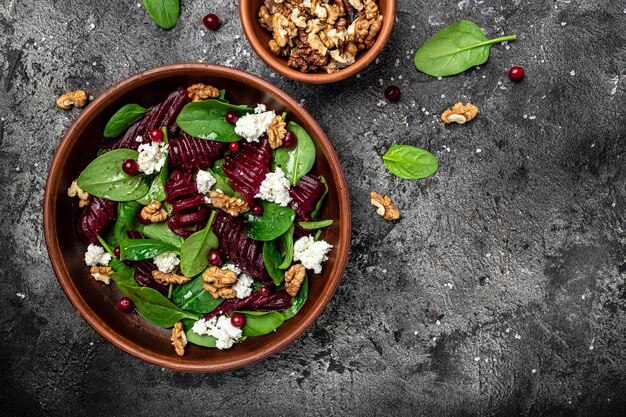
{"x":143,"y":275}
{"x":243,"y":251}
{"x":247,"y":168}
{"x":188,"y":205}
{"x":191,"y":154}
{"x":96,"y":217}
{"x":305,"y":195}
{"x":162,"y":114}
{"x":277,"y":301}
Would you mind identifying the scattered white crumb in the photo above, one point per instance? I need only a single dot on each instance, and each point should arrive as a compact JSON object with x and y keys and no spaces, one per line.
{"x":92,"y":26}
{"x":381,"y":103}
{"x":499,"y":82}
{"x":517,"y":336}
{"x":426,"y":113}
{"x":380,"y":81}
{"x":563,"y":23}
{"x":488,"y":255}
{"x":17,"y":168}
{"x":37,"y":164}
{"x":508,"y":329}
{"x":484,"y":76}
{"x":423,"y":109}
{"x":532,"y":117}
{"x":272,"y":75}
{"x":438,"y":322}
{"x":443,"y":96}
{"x":572,"y":73}
{"x":591,"y":347}
{"x":534,"y":371}
{"x":525,"y":116}
{"x":413,"y":26}
{"x":476,"y":358}
{"x":613,"y":205}
{"x":358,"y":75}
{"x":21,"y":295}
{"x":399,"y":77}
{"x":415,"y":333}
{"x":440,"y":78}
{"x":91,"y":98}
{"x":478,"y":150}
{"x":94,"y":63}
{"x":593,"y":144}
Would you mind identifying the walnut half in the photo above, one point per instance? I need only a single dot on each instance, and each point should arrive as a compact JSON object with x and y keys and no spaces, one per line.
{"x":231,"y":205}
{"x":101,"y":273}
{"x":276,"y":132}
{"x":218,"y":282}
{"x":294,"y":278}
{"x":166,"y":279}
{"x":76,"y":98}
{"x":197,"y":92}
{"x":179,"y":340}
{"x":385,"y":207}
{"x":76,"y":191}
{"x":153,"y":212}
{"x":460,"y":113}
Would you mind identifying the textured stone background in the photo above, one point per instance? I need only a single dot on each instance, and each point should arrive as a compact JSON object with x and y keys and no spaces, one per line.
{"x":518,"y":241}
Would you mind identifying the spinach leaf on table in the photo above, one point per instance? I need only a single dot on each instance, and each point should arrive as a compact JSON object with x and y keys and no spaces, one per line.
{"x":409,"y":162}
{"x":206,"y":120}
{"x":455,"y":49}
{"x":318,"y":206}
{"x":162,"y":232}
{"x":315,"y":225}
{"x":104,"y":177}
{"x":273,"y":222}
{"x":164,"y":12}
{"x":298,"y":301}
{"x":140,"y":249}
{"x":296,"y":162}
{"x":195,"y":249}
{"x":153,"y":306}
{"x":123,"y":119}
{"x":286,"y":239}
{"x":259,"y":323}
{"x":273,"y":260}
{"x":193,"y":297}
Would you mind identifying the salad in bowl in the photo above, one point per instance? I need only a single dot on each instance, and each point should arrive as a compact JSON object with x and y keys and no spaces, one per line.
{"x":205,"y":214}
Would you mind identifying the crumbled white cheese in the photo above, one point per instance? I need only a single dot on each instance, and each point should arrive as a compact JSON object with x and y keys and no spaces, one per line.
{"x":166,"y":262}
{"x":210,"y":136}
{"x":204,"y":181}
{"x":311,"y":253}
{"x":232,"y":267}
{"x":96,"y":255}
{"x":151,"y":157}
{"x":252,"y":126}
{"x":275,"y":188}
{"x":139,"y":139}
{"x":260,"y":108}
{"x":243,"y":286}
{"x":221,"y":329}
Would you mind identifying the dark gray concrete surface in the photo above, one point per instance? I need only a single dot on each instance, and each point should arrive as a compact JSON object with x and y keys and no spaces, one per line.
{"x":518,"y":241}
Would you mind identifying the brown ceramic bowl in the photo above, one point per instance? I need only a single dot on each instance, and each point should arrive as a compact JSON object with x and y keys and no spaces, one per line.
{"x":95,"y":302}
{"x":259,"y":39}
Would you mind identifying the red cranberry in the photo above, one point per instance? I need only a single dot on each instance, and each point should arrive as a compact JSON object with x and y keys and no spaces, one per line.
{"x":116,"y":252}
{"x":177,"y":175}
{"x":238,"y":320}
{"x":265,"y":291}
{"x":130,"y":167}
{"x":232,"y":117}
{"x":211,"y":21}
{"x":290,"y":140}
{"x":234,"y":147}
{"x":256,"y":210}
{"x":124,"y":304}
{"x":392,"y":93}
{"x":156,"y":135}
{"x":516,"y":73}
{"x":215,"y":257}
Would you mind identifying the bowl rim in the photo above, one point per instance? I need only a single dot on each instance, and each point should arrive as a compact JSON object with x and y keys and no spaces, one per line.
{"x":389,"y":17}
{"x":53,"y":181}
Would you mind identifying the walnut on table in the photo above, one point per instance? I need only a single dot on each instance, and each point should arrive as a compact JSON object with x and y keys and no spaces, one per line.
{"x":460,"y":113}
{"x":76,"y":98}
{"x":385,"y":208}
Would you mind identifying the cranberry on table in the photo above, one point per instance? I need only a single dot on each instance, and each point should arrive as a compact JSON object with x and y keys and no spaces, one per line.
{"x":234,"y":147}
{"x":232,"y":117}
{"x":264,"y":290}
{"x":289,"y":141}
{"x":116,"y":252}
{"x":211,"y":21}
{"x":124,"y":304}
{"x":238,"y":320}
{"x":215,"y":257}
{"x":130,"y":167}
{"x":156,"y":135}
{"x":256,"y":210}
{"x":516,"y":73}
{"x":392,"y":93}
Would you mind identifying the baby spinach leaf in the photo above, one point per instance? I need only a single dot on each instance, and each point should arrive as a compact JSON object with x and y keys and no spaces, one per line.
{"x":298,"y":301}
{"x":126,"y":276}
{"x":455,"y":49}
{"x":206,"y":120}
{"x":260,"y":323}
{"x":157,"y":188}
{"x":126,"y":220}
{"x":315,"y":225}
{"x":200,"y":340}
{"x":193,"y":297}
{"x":104,"y":177}
{"x":164,"y":12}
{"x":221,"y":182}
{"x":139,"y":249}
{"x":318,"y":206}
{"x":298,"y":161}
{"x":153,"y":306}
{"x":123,"y":119}
{"x":162,"y":232}
{"x":274,"y":221}
{"x":272,"y":259}
{"x":318,"y":235}
{"x":409,"y":162}
{"x":287,"y":241}
{"x":114,"y":263}
{"x":195,"y":249}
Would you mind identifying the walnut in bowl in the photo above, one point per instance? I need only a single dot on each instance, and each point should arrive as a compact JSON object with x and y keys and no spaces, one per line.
{"x":317,"y":41}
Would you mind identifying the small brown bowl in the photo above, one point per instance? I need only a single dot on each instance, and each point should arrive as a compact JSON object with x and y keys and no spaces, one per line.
{"x":95,"y":302}
{"x":259,"y":39}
